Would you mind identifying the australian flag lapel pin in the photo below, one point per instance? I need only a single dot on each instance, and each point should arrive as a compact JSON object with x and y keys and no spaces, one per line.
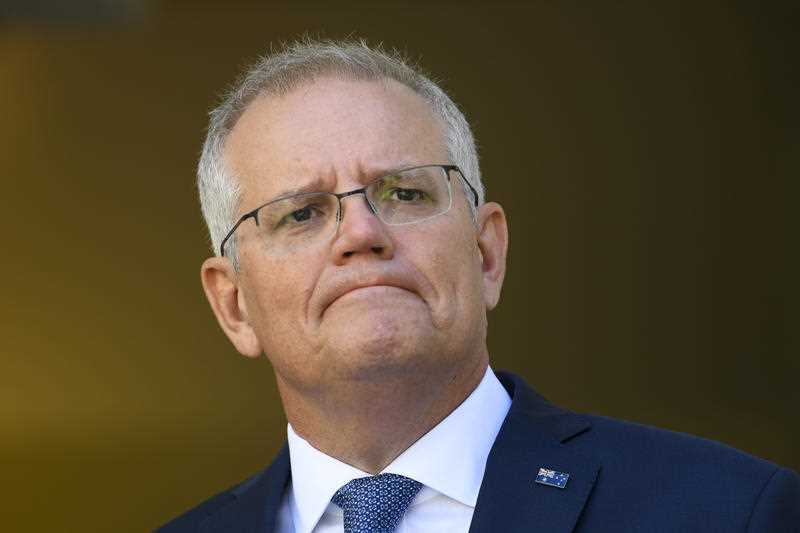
{"x":553,"y":478}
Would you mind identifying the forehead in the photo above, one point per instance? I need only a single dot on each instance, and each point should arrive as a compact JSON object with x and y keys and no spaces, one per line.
{"x":331,"y":130}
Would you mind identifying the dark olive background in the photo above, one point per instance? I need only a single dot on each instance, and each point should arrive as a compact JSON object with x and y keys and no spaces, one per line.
{"x":647,"y":158}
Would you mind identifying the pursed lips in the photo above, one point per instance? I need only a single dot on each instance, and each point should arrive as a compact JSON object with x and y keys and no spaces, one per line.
{"x":349,"y":288}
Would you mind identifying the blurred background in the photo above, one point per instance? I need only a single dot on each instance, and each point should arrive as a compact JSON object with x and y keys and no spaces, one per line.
{"x":647,"y":156}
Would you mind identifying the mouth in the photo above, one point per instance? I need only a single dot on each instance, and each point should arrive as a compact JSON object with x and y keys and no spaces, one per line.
{"x":376,"y":292}
{"x":371,"y":291}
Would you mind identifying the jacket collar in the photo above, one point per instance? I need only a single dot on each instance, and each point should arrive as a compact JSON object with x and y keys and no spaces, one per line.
{"x":534,"y":435}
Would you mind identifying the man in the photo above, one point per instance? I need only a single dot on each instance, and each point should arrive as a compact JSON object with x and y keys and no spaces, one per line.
{"x":356,"y":251}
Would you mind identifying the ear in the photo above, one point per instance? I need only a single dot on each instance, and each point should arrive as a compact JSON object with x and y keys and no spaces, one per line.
{"x":493,"y":247}
{"x":222,"y":287}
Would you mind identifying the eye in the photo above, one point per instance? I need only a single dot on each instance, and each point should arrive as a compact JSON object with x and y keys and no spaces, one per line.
{"x":408,"y":195}
{"x":304,"y":215}
{"x":404,"y":195}
{"x":301,"y":215}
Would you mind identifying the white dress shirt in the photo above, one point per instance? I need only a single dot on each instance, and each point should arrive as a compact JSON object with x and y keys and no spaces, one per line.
{"x":449,"y":461}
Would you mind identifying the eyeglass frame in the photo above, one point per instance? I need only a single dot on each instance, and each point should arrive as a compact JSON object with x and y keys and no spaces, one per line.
{"x":340,"y":195}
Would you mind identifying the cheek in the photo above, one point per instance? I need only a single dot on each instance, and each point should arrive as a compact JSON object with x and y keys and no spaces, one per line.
{"x":277,"y":304}
{"x":454,"y":270}
{"x":468,"y":281}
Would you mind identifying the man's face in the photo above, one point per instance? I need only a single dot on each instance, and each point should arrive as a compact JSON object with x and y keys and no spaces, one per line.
{"x":374,"y":301}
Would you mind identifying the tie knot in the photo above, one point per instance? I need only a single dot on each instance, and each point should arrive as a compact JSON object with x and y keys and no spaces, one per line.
{"x":375,"y":504}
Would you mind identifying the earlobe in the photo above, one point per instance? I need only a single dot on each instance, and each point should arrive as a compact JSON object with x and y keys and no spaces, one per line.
{"x":221,"y":285}
{"x":493,"y":247}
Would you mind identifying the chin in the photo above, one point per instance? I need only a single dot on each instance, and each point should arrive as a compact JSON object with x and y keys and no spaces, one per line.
{"x":383,"y":351}
{"x":371,"y":339}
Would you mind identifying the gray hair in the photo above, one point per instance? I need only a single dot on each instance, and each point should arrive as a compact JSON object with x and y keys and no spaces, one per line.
{"x":302,"y":62}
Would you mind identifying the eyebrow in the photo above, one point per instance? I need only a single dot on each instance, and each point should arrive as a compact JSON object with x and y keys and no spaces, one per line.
{"x":318,"y":183}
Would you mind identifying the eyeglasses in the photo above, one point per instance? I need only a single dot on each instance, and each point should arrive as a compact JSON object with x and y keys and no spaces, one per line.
{"x":400,"y":197}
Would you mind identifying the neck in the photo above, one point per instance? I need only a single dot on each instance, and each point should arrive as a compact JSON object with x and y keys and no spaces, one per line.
{"x":367,"y":424}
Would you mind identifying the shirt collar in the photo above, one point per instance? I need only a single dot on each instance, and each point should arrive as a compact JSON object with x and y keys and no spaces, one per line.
{"x":471,"y":429}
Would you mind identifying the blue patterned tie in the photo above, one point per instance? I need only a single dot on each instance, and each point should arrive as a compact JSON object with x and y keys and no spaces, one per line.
{"x":375,"y":504}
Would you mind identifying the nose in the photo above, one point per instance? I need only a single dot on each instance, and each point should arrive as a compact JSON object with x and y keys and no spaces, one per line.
{"x":360,"y":232}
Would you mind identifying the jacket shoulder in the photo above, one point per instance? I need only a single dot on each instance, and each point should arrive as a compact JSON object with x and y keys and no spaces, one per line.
{"x":672,"y":474}
{"x":193,"y":518}
{"x":630,"y":442}
{"x":252,"y":504}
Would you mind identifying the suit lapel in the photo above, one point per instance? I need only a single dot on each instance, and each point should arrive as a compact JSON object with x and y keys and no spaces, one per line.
{"x":534,"y":435}
{"x":256,"y":502}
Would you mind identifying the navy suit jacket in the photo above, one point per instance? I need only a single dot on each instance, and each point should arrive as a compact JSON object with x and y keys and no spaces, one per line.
{"x":623,"y":477}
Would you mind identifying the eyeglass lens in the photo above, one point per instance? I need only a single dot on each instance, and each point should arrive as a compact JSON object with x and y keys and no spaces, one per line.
{"x":402,"y":197}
